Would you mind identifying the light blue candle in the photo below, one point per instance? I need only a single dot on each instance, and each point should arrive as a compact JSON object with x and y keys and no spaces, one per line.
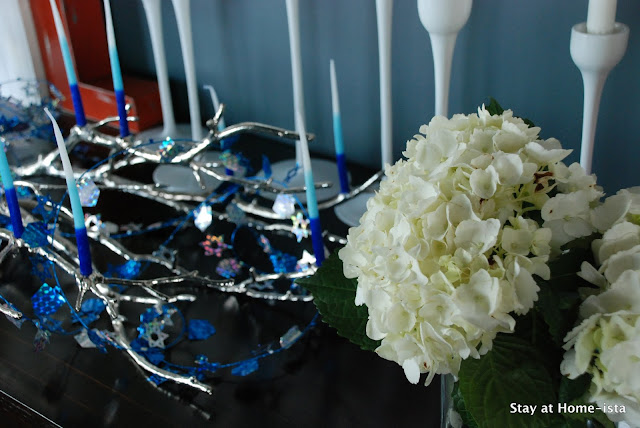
{"x":116,"y":74}
{"x":81,"y":120}
{"x":341,"y":160}
{"x":84,"y":251}
{"x":10,"y":193}
{"x":312,"y":201}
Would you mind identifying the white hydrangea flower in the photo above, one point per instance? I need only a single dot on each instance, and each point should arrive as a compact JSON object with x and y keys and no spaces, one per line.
{"x":606,"y":344}
{"x":607,"y":347}
{"x":447,"y":251}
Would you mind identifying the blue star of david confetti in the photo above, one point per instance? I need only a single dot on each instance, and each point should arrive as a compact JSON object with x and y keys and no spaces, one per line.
{"x":36,"y":234}
{"x":165,"y":253}
{"x":128,"y":270}
{"x":153,"y":334}
{"x":245,"y":368}
{"x":200,"y":329}
{"x":47,"y":300}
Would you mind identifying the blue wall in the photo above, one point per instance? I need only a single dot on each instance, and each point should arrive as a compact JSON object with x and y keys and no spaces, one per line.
{"x":514,"y":51}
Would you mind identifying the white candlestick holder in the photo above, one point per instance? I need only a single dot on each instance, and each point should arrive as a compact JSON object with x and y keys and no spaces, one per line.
{"x":182,"y":9}
{"x":595,"y":55}
{"x":443,"y":19}
{"x":169,"y":128}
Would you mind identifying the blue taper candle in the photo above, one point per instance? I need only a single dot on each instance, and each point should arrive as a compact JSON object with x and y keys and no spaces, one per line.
{"x":78,"y":108}
{"x":312,"y":201}
{"x":82,"y":240}
{"x":10,"y":193}
{"x":116,"y":74}
{"x":341,"y":160}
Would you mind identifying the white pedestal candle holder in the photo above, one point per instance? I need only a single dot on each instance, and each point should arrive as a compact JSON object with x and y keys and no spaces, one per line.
{"x":182,"y":10}
{"x":169,"y":128}
{"x":595,"y":55}
{"x":443,"y":19}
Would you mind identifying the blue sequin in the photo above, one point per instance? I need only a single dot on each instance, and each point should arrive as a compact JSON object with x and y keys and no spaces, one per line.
{"x":36,"y":234}
{"x":41,"y":268}
{"x":5,"y":221}
{"x":203,"y":364}
{"x":47,"y":300}
{"x":91,"y":310}
{"x":23,"y":192}
{"x":154,"y":355}
{"x":200,"y":329}
{"x":128,"y":270}
{"x":139,"y":345}
{"x":97,"y":340}
{"x":156,"y":379}
{"x":149,"y":315}
{"x":43,"y":210}
{"x":283,"y":262}
{"x":245,"y":368}
{"x":266,"y":166}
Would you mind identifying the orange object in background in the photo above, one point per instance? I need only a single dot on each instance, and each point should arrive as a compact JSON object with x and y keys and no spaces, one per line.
{"x":86,"y":33}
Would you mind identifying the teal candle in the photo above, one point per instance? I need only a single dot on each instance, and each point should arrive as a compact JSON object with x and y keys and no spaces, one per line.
{"x":341,"y":160}
{"x":312,"y":201}
{"x":10,"y":193}
{"x":84,"y":254}
{"x":116,"y":74}
{"x":78,"y":108}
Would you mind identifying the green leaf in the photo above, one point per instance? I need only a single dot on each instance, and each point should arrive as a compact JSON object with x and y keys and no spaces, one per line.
{"x":494,"y":107}
{"x":512,"y":372}
{"x":334,"y":296}
{"x":558,"y":299}
{"x":459,"y":406}
{"x":573,"y":389}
